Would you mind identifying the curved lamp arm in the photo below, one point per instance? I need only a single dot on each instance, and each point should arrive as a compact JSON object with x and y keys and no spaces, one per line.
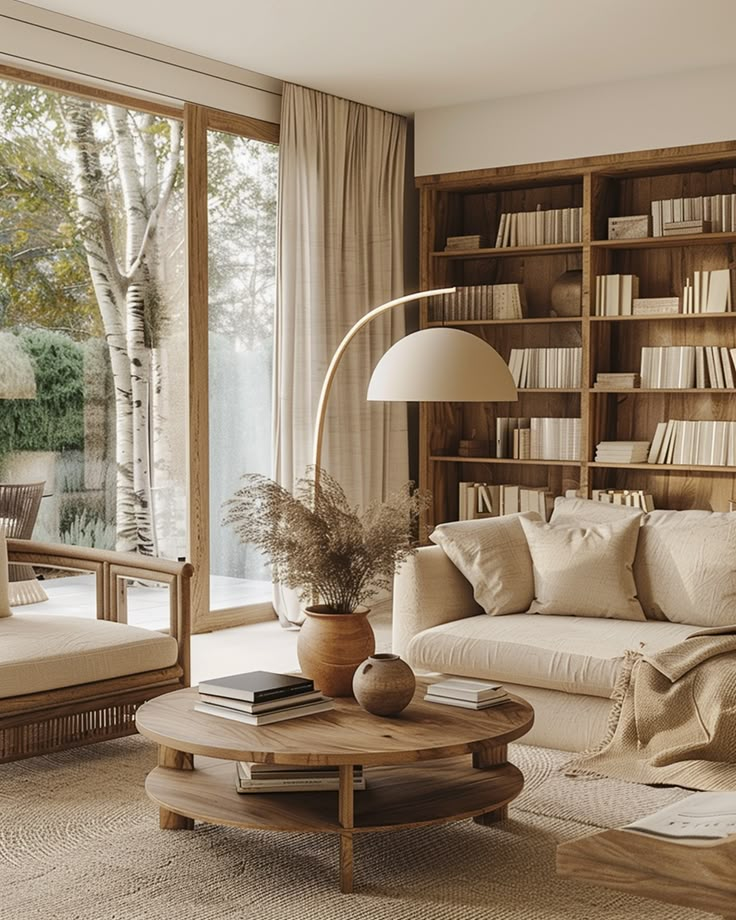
{"x":319,"y":425}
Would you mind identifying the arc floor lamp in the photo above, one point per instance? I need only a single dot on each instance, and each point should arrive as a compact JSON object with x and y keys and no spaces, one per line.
{"x":441,"y":364}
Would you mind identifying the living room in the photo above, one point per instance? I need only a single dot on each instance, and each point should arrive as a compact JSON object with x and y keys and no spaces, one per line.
{"x":533,"y":208}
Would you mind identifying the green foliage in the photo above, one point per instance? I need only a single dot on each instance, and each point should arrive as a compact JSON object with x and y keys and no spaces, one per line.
{"x":55,"y":419}
{"x":318,"y":543}
{"x":89,"y":530}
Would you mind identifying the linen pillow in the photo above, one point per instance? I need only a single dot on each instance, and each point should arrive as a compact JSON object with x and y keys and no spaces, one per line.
{"x":5,"y":610}
{"x":584,"y":570}
{"x":685,"y":567}
{"x":493,"y":554}
{"x":573,"y":510}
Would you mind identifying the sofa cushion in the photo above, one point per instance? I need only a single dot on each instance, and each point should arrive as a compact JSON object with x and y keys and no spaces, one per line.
{"x":45,"y":652}
{"x":5,"y":610}
{"x":592,"y":512}
{"x":571,"y":654}
{"x":492,"y":553}
{"x":685,"y":567}
{"x":569,"y":558}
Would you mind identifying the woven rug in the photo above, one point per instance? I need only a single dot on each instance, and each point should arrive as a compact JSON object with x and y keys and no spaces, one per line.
{"x":79,"y":840}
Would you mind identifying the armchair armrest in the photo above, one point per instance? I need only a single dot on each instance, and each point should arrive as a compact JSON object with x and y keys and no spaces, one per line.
{"x":428,"y":591}
{"x":112,"y":571}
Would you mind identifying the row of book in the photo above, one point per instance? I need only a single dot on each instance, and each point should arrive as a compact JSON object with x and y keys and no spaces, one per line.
{"x":632,"y":498}
{"x":615,"y":294}
{"x":546,"y":367}
{"x":538,"y":438}
{"x":260,"y":698}
{"x":485,"y":499}
{"x":688,"y":366}
{"x":719,"y":210}
{"x":710,"y":292}
{"x":622,"y":452}
{"x":540,"y":228}
{"x":478,"y":302}
{"x":700,"y":443}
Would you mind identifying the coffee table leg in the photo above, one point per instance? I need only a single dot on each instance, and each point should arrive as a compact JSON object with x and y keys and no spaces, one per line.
{"x":491,"y":757}
{"x":174,"y":760}
{"x":345,"y":816}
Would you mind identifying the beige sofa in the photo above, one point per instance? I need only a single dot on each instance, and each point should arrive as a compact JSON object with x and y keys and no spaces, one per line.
{"x":684,"y":569}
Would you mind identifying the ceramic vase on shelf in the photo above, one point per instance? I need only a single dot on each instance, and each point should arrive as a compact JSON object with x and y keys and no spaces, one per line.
{"x":332,"y":645}
{"x":384,"y":685}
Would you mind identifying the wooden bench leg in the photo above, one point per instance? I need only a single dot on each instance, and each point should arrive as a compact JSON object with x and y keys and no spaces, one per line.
{"x":174,"y":760}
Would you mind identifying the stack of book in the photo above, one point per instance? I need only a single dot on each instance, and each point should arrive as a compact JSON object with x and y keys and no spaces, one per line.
{"x":622,"y":452}
{"x":469,"y":241}
{"x":540,"y":228}
{"x":686,"y":227}
{"x":655,"y":306}
{"x":606,"y":380}
{"x":466,"y":693}
{"x":480,"y":302}
{"x":548,"y":438}
{"x":719,"y":210}
{"x":633,"y":498}
{"x":260,"y":698}
{"x":266,"y":777}
{"x":553,"y":368}
{"x":614,"y":294}
{"x":710,"y":292}
{"x":685,"y":442}
{"x":484,"y":499}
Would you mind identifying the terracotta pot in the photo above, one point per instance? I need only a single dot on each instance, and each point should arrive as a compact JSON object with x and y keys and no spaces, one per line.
{"x":384,"y":685}
{"x":332,"y":645}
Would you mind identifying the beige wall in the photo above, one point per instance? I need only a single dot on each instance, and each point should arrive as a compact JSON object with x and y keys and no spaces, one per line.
{"x":668,"y":111}
{"x":39,"y":40}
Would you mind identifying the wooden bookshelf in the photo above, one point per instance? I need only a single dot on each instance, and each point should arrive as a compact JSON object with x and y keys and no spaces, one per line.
{"x":608,"y":186}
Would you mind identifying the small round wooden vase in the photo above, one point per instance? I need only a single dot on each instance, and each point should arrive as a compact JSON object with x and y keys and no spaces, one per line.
{"x":332,"y":645}
{"x":384,"y":685}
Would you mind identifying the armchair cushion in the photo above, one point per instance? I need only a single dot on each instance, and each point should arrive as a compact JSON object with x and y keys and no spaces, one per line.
{"x":5,"y":610}
{"x":45,"y":652}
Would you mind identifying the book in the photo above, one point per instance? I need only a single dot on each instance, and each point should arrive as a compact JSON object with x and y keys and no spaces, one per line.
{"x":245,"y":784}
{"x":466,"y":689}
{"x":297,"y":699}
{"x":256,"y":686}
{"x":466,"y":704}
{"x":252,"y":770}
{"x":265,"y":718}
{"x":702,"y":816}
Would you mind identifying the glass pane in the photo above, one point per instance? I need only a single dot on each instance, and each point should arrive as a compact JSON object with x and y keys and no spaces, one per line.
{"x":242,"y":177}
{"x":92,"y":319}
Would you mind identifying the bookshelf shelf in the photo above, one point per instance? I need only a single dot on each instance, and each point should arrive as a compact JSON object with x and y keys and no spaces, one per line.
{"x":551,"y":249}
{"x":465,"y":204}
{"x":527,"y":321}
{"x":668,"y":242}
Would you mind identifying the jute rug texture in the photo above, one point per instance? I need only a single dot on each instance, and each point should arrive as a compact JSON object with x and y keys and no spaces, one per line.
{"x":79,"y":840}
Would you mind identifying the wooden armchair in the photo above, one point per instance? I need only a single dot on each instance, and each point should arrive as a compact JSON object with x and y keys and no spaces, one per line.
{"x":98,"y":673}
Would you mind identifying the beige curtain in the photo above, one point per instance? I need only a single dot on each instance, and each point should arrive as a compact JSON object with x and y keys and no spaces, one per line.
{"x":341,"y":232}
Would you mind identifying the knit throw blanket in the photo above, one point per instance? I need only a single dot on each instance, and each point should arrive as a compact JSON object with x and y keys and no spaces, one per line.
{"x":673,"y":720}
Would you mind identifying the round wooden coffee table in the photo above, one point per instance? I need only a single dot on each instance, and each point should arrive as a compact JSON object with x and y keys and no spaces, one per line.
{"x":418,"y":770}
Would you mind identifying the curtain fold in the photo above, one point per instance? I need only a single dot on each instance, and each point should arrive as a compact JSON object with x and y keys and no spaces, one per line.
{"x":340,"y":253}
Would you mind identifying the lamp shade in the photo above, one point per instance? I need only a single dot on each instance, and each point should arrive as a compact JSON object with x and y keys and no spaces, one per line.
{"x":442,"y":365}
{"x":17,"y":377}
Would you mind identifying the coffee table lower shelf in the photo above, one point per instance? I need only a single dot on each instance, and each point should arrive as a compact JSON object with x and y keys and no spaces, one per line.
{"x":397,"y":797}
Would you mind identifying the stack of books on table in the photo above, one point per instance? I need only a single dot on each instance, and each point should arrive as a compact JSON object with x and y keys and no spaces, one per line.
{"x":268,"y":777}
{"x":466,"y":693}
{"x":622,"y":452}
{"x":260,"y":697}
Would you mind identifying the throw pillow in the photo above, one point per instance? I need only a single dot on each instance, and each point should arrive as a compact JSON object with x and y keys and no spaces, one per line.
{"x":492,"y":553}
{"x":584,"y":570}
{"x":585,"y":510}
{"x":5,"y":610}
{"x":685,"y":567}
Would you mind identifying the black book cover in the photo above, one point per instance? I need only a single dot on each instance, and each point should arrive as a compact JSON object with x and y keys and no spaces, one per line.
{"x":256,"y":686}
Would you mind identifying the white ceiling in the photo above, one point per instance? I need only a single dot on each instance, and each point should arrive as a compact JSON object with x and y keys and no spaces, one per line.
{"x":407,"y":55}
